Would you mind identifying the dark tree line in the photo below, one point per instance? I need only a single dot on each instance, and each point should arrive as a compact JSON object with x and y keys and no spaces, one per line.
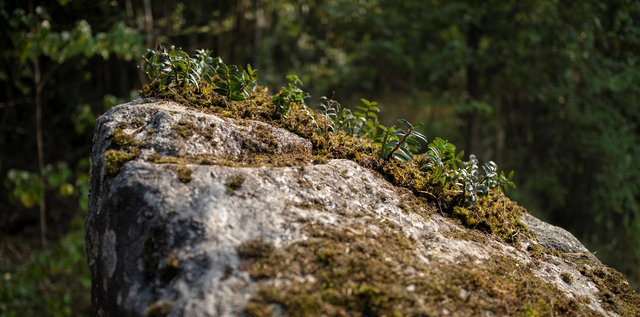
{"x":548,"y":89}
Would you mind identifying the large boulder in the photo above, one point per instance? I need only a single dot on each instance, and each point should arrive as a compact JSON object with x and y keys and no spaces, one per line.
{"x":193,"y":214}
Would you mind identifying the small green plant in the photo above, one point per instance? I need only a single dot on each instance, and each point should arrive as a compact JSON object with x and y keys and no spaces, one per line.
{"x":287,"y":96}
{"x":338,"y":118}
{"x":398,"y":143}
{"x":236,"y":83}
{"x":443,"y":160}
{"x":171,"y":67}
{"x":362,"y":123}
{"x":475,"y":184}
{"x":368,"y":119}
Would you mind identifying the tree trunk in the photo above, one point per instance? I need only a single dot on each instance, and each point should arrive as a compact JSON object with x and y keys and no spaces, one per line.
{"x":473,"y":118}
{"x":43,"y":205}
{"x":257,"y":39}
{"x":148,"y":19}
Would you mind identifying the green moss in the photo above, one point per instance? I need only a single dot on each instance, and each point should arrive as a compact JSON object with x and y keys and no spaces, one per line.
{"x":115,"y":159}
{"x":184,"y":173}
{"x":124,"y":148}
{"x":614,"y":291}
{"x":258,"y":310}
{"x":500,"y":217}
{"x":159,"y":309}
{"x":170,"y":269}
{"x":159,"y":159}
{"x":256,"y":160}
{"x":263,"y":134}
{"x":255,"y":249}
{"x":320,"y":160}
{"x":137,"y":123}
{"x":234,"y":182}
{"x":536,"y":251}
{"x":186,"y":129}
{"x":371,"y":270}
{"x":121,"y":139}
{"x":566,"y":277}
{"x":469,"y":235}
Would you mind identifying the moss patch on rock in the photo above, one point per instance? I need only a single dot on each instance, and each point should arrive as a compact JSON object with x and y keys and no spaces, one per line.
{"x":159,"y":309}
{"x":124,"y":148}
{"x":186,"y":129}
{"x":615,"y":292}
{"x":170,"y":270}
{"x":184,"y":173}
{"x":234,"y":183}
{"x":123,"y":139}
{"x":115,"y":159}
{"x":372,"y":270}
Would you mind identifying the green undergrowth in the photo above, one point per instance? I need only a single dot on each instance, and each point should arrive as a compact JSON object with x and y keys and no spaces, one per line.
{"x":373,"y":270}
{"x":55,"y":280}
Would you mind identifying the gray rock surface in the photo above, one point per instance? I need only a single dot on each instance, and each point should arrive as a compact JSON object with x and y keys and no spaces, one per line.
{"x":156,"y":242}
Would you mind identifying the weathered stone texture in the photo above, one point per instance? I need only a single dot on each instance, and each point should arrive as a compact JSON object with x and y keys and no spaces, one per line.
{"x":157,"y":244}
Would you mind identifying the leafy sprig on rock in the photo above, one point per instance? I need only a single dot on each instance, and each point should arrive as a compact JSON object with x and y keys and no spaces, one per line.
{"x":170,"y":67}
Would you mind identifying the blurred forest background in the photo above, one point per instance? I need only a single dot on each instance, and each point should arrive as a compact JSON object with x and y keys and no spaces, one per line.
{"x":549,"y":89}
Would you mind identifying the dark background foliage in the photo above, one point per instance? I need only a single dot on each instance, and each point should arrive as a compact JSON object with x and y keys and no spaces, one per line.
{"x":546,"y":88}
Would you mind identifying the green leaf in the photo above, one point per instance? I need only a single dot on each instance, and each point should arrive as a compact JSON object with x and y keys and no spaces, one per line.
{"x":420,"y":136}
{"x":221,"y":91}
{"x":405,"y":123}
{"x":413,"y":143}
{"x":207,"y":78}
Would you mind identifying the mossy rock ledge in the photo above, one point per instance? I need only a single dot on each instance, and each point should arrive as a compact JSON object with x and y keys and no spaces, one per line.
{"x":196,"y":214}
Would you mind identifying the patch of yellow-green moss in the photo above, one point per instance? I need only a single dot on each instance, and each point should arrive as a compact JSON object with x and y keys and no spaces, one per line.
{"x":159,"y":309}
{"x":536,"y":251}
{"x":615,"y":293}
{"x":566,"y":277}
{"x":170,"y":270}
{"x":184,"y":173}
{"x":187,"y":128}
{"x":124,"y":148}
{"x":263,"y":135}
{"x":123,"y":139}
{"x":371,"y":269}
{"x":115,"y":159}
{"x":234,"y":183}
{"x":255,"y":249}
{"x":494,"y":215}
